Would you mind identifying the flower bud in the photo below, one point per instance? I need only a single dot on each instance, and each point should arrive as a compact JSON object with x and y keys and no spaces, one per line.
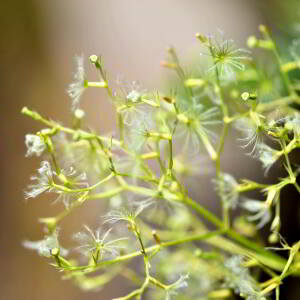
{"x":252,"y":41}
{"x":168,"y":65}
{"x":202,"y":38}
{"x":275,"y":226}
{"x":79,"y":113}
{"x":156,"y":237}
{"x":93,"y":58}
{"x":273,"y":238}
{"x":191,"y":82}
{"x":248,"y":96}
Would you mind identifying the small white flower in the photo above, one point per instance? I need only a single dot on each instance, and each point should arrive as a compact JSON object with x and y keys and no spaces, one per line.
{"x":293,"y":124}
{"x":134,"y":96}
{"x":253,"y":134}
{"x":44,"y":247}
{"x":193,"y":122}
{"x":43,"y":181}
{"x":93,"y":242}
{"x":177,"y":285}
{"x":129,"y":216}
{"x":226,"y":57}
{"x":295,"y":49}
{"x":266,"y":155}
{"x":226,"y":186}
{"x":76,"y":89}
{"x":261,"y":210}
{"x":35,"y":145}
{"x":75,"y":181}
{"x":130,"y":105}
{"x":139,"y":138}
{"x":239,"y":279}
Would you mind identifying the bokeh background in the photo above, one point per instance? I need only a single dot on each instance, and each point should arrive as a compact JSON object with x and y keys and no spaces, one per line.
{"x":38,"y":41}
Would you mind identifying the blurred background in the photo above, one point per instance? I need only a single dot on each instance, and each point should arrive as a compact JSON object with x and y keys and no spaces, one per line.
{"x":39,"y":39}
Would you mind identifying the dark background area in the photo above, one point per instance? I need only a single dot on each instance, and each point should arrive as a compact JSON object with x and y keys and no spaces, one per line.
{"x":38,"y":42}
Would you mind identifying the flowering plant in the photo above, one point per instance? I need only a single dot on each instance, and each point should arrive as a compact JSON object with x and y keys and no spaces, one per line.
{"x":142,"y":171}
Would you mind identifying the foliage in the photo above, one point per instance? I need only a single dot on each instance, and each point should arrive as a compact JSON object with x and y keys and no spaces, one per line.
{"x":141,"y":173}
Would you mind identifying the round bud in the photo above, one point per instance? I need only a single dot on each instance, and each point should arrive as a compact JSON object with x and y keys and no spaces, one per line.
{"x":93,"y":58}
{"x":263,"y":28}
{"x":234,"y":94}
{"x":252,"y":41}
{"x":273,"y":238}
{"x":46,"y":131}
{"x":202,"y":38}
{"x":245,"y":96}
{"x":54,"y":251}
{"x":79,"y":113}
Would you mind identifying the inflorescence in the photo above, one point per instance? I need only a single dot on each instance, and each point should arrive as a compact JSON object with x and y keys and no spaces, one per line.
{"x":162,"y":141}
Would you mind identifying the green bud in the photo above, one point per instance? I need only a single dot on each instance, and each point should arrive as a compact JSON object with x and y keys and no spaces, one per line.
{"x":93,"y":58}
{"x":275,"y":226}
{"x":79,"y":113}
{"x":263,"y":29}
{"x":273,"y":238}
{"x":202,"y":38}
{"x":194,"y":82}
{"x":252,"y":41}
{"x":248,"y":96}
{"x":54,"y":251}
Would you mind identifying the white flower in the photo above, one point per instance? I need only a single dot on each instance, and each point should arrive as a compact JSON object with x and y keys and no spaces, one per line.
{"x":293,"y":124}
{"x":76,"y":89}
{"x":35,"y":145}
{"x":193,"y":122}
{"x":95,"y":243}
{"x":129,"y":216}
{"x":253,"y":134}
{"x":134,"y":96}
{"x":266,"y":155}
{"x":295,"y":49}
{"x":226,"y":186}
{"x":239,"y":279}
{"x":172,"y":289}
{"x":261,"y":210}
{"x":44,"y":247}
{"x":138,"y":138}
{"x":129,"y":98}
{"x":226,"y":57}
{"x":75,"y":181}
{"x":43,"y":181}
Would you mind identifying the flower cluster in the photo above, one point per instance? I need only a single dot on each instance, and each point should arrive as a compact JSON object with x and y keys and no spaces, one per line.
{"x":239,"y":279}
{"x":151,"y":163}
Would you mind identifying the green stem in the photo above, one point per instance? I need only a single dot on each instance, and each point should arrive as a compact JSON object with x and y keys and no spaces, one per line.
{"x":269,"y":259}
{"x":197,"y":237}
